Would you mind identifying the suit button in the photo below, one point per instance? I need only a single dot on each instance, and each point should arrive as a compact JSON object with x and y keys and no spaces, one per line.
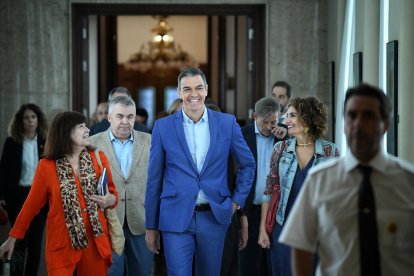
{"x":195,"y":197}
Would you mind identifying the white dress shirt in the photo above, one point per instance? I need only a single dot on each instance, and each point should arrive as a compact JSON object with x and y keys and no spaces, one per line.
{"x":197,"y":136}
{"x":326,"y":212}
{"x":30,"y":159}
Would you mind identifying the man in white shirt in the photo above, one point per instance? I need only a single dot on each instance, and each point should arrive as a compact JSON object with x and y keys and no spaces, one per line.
{"x":188,"y":197}
{"x":326,"y":216}
{"x":282,"y":92}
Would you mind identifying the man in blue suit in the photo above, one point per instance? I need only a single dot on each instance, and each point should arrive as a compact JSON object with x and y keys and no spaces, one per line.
{"x":187,"y":196}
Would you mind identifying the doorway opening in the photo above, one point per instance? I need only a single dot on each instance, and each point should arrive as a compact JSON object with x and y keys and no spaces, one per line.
{"x":234,"y":64}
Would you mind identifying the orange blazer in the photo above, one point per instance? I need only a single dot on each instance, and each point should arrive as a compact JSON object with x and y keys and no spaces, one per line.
{"x":46,"y":189}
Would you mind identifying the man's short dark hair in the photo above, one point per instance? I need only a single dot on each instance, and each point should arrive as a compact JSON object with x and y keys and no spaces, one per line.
{"x":210,"y":103}
{"x":119,"y":89}
{"x":285,"y":85}
{"x":364,"y":89}
{"x":142,"y":112}
{"x":191,"y":72}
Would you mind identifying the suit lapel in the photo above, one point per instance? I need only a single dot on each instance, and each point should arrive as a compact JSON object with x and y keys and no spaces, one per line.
{"x":213,"y":126}
{"x":137,"y":149}
{"x":40,"y":147}
{"x":179,"y":128}
{"x":251,"y":140}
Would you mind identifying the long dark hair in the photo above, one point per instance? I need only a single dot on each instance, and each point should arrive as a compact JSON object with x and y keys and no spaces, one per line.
{"x":16,"y":127}
{"x":59,"y":142}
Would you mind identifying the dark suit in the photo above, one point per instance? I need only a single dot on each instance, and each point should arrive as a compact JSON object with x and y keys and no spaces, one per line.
{"x":174,"y":182}
{"x":104,"y":125}
{"x":231,"y":242}
{"x":252,"y":259}
{"x":15,"y":197}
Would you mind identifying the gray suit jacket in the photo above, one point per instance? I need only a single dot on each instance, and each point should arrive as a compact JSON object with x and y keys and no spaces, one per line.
{"x":131,"y":190}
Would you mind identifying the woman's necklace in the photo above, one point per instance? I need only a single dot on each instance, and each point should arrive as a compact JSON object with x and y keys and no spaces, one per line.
{"x":75,"y":164}
{"x":304,"y":145}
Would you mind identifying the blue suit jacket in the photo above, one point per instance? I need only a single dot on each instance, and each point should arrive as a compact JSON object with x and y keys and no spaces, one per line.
{"x":174,"y":181}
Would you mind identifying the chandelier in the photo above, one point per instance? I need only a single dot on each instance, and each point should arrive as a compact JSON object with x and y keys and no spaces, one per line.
{"x":161,"y":52}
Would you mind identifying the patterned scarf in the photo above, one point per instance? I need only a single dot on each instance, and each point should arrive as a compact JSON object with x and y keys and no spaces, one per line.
{"x":70,"y":199}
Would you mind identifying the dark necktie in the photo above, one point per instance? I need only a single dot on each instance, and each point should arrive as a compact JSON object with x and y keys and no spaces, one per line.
{"x":368,"y":232}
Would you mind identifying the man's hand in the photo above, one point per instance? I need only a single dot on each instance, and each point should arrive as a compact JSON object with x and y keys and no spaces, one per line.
{"x":152,"y":238}
{"x":104,"y":201}
{"x":264,"y":240}
{"x":244,"y":232}
{"x":2,"y":204}
{"x":279,"y":132}
{"x":235,"y":207}
{"x":6,"y":249}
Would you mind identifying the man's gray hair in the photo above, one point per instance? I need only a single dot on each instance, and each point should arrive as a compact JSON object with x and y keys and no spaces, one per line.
{"x":266,"y":106}
{"x":125,"y":101}
{"x":119,"y":90}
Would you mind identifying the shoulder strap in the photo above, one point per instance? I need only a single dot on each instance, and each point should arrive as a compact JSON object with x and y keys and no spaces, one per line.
{"x":282,"y":147}
{"x":276,"y":188}
{"x":98,"y":158}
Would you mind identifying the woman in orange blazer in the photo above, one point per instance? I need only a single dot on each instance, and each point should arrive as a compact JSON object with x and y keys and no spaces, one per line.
{"x":76,"y":227}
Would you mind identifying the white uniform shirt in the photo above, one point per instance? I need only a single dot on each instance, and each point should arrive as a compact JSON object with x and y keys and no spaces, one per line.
{"x":326,"y":212}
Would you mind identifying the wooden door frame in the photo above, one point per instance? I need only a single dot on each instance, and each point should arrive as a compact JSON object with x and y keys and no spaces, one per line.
{"x":79,"y":11}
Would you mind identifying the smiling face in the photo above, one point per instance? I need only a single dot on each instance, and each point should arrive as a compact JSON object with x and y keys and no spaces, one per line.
{"x":30,"y":122}
{"x":193,"y":92}
{"x":122,"y":120}
{"x":295,"y":125}
{"x":364,"y":127}
{"x":80,"y":136}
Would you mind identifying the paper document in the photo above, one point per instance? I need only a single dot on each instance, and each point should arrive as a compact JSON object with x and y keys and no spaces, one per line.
{"x":103,"y":183}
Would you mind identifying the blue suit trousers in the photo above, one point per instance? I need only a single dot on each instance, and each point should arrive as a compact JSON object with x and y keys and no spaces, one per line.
{"x":202,"y":240}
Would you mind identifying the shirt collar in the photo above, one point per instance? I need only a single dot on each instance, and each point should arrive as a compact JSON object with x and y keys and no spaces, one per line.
{"x":187,"y":119}
{"x":378,"y":163}
{"x":29,"y":140}
{"x":112,"y":136}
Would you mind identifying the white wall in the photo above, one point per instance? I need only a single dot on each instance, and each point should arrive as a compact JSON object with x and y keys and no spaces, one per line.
{"x":406,"y":79}
{"x":366,"y":37}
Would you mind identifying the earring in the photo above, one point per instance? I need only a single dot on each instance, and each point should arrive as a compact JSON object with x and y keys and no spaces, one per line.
{"x":306,"y":129}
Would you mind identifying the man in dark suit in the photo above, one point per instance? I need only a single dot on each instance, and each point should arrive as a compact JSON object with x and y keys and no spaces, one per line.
{"x":260,"y":136}
{"x":282,"y":92}
{"x":104,"y":124}
{"x":187,"y":196}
